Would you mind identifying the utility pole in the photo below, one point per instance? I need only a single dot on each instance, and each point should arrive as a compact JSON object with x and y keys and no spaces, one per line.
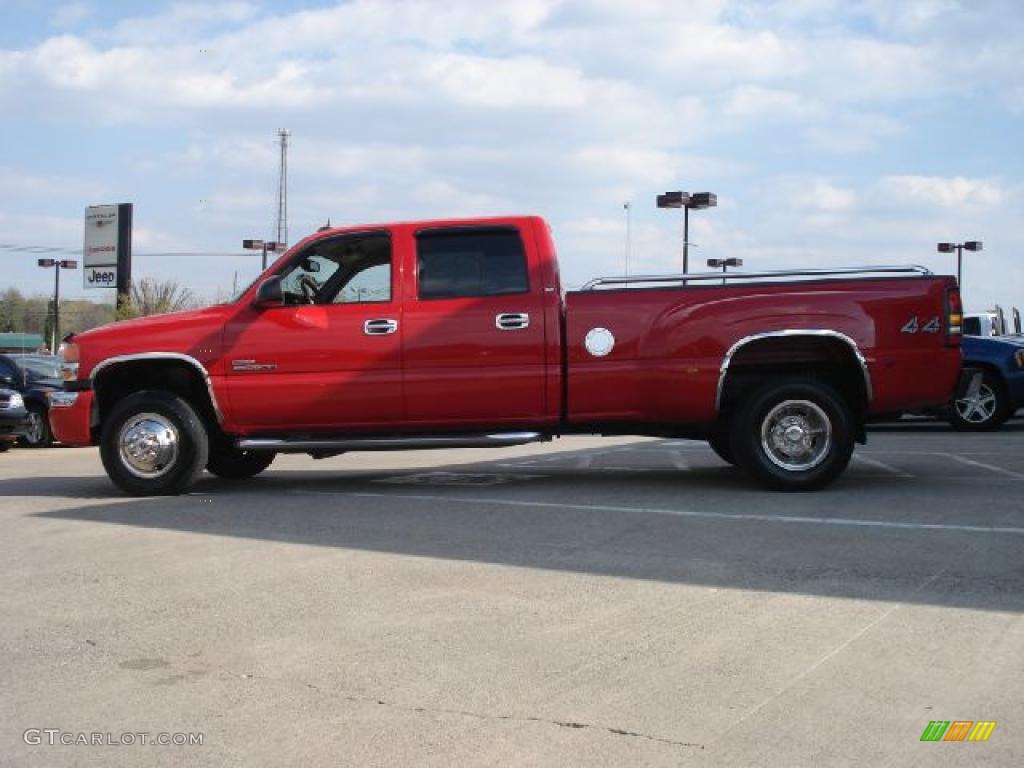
{"x":281,"y":233}
{"x":629,"y":232}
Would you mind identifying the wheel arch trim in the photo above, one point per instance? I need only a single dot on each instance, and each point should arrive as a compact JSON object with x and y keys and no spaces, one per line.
{"x":792,"y":333}
{"x":180,"y":357}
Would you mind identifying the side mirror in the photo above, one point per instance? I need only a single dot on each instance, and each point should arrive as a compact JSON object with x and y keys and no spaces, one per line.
{"x":269,"y":294}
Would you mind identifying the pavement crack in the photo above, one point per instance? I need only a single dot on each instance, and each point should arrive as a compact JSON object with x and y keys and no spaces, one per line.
{"x":572,"y":724}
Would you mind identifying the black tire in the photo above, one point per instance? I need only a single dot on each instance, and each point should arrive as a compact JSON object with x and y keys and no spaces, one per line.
{"x":176,"y":419}
{"x":38,"y":434}
{"x":5,"y":445}
{"x":988,"y":411}
{"x":720,"y":441}
{"x":822,"y":441}
{"x":230,"y":463}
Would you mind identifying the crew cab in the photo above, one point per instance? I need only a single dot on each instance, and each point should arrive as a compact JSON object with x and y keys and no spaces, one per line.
{"x":457,"y":333}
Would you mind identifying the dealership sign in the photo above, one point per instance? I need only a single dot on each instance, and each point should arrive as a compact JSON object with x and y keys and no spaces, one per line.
{"x":107,"y":249}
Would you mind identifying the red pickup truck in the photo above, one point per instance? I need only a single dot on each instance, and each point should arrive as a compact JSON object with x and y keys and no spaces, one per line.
{"x":457,"y":333}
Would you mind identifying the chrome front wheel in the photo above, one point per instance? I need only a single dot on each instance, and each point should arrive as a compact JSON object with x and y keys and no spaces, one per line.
{"x":982,"y":407}
{"x":147,"y":445}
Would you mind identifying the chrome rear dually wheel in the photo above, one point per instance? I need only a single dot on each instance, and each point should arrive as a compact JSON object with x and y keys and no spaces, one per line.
{"x":794,"y":434}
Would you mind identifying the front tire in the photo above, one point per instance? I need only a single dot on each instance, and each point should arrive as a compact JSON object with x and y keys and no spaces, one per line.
{"x":153,"y":444}
{"x":230,"y":463}
{"x":794,"y":435}
{"x":989,"y":409}
{"x":38,"y":434}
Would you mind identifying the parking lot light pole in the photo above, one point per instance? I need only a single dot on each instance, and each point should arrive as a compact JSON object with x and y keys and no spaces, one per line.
{"x":725,"y":264}
{"x":264,"y":246}
{"x":968,"y":245}
{"x":56,"y":265}
{"x":697,"y":201}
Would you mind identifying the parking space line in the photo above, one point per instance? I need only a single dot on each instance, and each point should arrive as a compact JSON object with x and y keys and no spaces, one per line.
{"x":895,"y":471}
{"x":981,"y":465}
{"x":786,"y":519}
{"x":678,"y":460}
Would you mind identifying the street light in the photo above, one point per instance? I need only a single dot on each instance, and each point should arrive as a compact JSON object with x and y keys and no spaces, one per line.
{"x":697,"y":201}
{"x":264,"y":246}
{"x":969,"y":245}
{"x":628,"y":207}
{"x":56,"y":265}
{"x":725,"y":264}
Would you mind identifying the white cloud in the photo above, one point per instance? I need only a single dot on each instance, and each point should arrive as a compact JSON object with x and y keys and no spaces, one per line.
{"x":947,"y":192}
{"x":507,"y":83}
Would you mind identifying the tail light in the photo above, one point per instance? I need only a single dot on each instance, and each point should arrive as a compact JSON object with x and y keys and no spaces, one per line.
{"x":954,"y":316}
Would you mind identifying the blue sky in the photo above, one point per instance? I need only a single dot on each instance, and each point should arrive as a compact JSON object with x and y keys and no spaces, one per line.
{"x":834,"y":132}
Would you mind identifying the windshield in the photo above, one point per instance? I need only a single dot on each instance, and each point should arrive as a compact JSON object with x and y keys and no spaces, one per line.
{"x":38,"y":366}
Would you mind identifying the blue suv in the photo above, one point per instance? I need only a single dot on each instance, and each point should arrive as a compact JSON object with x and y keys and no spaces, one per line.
{"x":994,"y":397}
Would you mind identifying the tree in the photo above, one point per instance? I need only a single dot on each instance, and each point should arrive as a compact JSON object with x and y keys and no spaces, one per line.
{"x":150,"y":296}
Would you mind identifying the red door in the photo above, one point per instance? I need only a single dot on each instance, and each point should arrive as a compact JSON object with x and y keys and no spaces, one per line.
{"x":329,"y":358}
{"x":474,"y":330}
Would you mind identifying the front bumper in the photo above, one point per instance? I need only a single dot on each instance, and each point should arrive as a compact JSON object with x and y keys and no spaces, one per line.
{"x":71,"y":417}
{"x":13,"y":423}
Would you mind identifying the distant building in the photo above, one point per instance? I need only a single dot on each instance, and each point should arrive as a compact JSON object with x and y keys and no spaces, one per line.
{"x":21,"y":342}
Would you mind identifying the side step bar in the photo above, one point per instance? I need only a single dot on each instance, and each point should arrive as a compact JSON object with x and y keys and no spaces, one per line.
{"x":410,"y":442}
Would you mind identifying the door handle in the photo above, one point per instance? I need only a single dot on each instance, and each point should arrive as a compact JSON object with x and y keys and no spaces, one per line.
{"x":512,"y":321}
{"x":381,"y":327}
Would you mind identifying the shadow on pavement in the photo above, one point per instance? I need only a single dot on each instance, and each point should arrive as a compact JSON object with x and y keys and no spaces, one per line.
{"x":613,"y":522}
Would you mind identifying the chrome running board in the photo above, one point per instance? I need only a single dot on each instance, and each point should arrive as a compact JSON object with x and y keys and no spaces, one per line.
{"x":411,"y":442}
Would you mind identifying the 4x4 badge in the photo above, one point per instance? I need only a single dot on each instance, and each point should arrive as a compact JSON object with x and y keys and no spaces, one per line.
{"x":912,"y":326}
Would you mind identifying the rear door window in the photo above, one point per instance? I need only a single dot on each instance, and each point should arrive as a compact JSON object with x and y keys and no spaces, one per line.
{"x":460,"y":263}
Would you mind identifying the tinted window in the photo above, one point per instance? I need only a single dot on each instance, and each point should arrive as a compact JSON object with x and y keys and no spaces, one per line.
{"x":457,"y":263}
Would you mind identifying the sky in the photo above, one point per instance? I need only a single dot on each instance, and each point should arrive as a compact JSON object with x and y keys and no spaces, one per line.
{"x":834,"y":132}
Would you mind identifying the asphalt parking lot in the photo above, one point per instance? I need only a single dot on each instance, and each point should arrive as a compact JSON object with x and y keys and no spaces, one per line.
{"x":586,"y":602}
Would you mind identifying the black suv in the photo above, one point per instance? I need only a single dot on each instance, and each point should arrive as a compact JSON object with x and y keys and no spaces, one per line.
{"x":33,"y":376}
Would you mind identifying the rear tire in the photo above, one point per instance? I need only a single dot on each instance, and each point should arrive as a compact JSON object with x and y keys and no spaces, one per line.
{"x":984,"y":413}
{"x":794,"y":435}
{"x":153,"y":444}
{"x":230,"y":463}
{"x":720,"y":441}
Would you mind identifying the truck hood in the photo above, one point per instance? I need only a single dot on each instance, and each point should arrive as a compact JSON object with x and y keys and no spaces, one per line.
{"x":196,"y":333}
{"x":125,"y":329}
{"x":993,"y":342}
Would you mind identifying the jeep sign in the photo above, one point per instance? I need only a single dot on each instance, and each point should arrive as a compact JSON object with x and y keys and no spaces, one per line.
{"x":100,"y":277}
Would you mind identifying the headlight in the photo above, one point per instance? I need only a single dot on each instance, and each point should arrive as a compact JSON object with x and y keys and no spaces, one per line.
{"x":15,"y":400}
{"x":68,"y":353}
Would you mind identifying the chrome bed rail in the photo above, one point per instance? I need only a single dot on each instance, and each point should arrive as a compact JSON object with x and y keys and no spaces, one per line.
{"x":630,"y":281}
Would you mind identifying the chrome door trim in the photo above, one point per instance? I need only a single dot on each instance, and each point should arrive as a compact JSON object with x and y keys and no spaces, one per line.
{"x":383,"y":326}
{"x":512,"y":321}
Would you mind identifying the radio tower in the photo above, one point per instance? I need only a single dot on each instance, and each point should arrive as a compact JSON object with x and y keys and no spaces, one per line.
{"x":282,"y":189}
